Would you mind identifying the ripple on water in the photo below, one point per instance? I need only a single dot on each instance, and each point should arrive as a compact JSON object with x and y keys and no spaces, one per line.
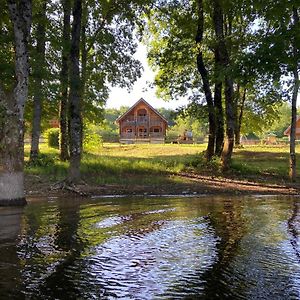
{"x":157,"y":263}
{"x":112,"y":221}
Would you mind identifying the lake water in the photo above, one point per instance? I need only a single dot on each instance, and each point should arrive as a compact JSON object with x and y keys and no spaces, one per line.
{"x":151,"y":248}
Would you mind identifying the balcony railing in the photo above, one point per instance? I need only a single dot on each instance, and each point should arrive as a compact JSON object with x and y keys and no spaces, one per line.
{"x":136,"y":121}
{"x":155,"y":122}
{"x":141,"y":135}
{"x":156,"y":135}
{"x":142,"y":119}
{"x":127,"y":135}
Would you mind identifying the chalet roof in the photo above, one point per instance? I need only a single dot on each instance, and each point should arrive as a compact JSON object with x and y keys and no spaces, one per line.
{"x":288,"y":130}
{"x":136,"y":104}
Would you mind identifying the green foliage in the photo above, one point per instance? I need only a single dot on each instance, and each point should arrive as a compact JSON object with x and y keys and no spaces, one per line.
{"x":91,"y":139}
{"x":109,"y":136}
{"x":43,"y":160}
{"x":52,"y":137}
{"x":273,"y":118}
{"x":283,"y":120}
{"x":171,"y":32}
{"x":168,"y":114}
{"x":200,"y":164}
{"x":197,"y":126}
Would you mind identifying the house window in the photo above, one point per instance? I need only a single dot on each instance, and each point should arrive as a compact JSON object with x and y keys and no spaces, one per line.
{"x":155,"y":129}
{"x":142,"y":112}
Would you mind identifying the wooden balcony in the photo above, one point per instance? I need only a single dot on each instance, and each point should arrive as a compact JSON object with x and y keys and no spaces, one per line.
{"x":142,"y":120}
{"x":141,"y":137}
{"x":127,"y":135}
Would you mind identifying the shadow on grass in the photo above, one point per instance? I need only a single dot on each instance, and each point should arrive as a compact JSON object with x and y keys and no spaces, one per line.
{"x":107,"y":169}
{"x":263,"y":163}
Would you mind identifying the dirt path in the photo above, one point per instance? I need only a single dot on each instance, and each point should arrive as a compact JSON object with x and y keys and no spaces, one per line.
{"x":193,"y":184}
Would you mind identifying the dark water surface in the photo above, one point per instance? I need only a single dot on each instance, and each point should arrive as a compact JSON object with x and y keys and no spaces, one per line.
{"x":183,"y":248}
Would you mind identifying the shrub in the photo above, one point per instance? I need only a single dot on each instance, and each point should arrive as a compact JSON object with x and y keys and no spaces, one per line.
{"x":92,"y":139}
{"x":200,"y":163}
{"x":52,"y":136}
{"x":43,"y":160}
{"x":109,"y":136}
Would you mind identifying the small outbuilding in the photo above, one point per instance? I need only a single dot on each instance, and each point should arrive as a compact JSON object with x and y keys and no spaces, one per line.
{"x":142,"y":124}
{"x":288,"y":130}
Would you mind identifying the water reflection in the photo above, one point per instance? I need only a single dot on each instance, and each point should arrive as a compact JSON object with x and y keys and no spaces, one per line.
{"x":204,"y":248}
{"x":11,"y":220}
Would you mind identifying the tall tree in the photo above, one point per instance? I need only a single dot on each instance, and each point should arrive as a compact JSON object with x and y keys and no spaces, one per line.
{"x":38,"y":75}
{"x":210,"y":151}
{"x":225,"y":63}
{"x":75,"y":118}
{"x":13,"y":96}
{"x":64,"y":81}
{"x":295,"y":70}
{"x":106,"y":48}
{"x":277,"y":49}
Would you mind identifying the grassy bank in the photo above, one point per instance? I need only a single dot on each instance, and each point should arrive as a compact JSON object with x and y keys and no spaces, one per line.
{"x":119,"y":164}
{"x":157,"y":164}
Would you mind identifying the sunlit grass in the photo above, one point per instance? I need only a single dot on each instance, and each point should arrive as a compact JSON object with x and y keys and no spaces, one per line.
{"x":120,"y":164}
{"x":262,"y":160}
{"x":155,"y":164}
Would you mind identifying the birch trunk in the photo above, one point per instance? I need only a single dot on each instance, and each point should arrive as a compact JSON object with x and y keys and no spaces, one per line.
{"x":12,"y":105}
{"x":75,"y":97}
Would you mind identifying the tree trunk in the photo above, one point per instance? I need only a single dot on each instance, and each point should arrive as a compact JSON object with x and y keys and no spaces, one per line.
{"x":239,"y":118}
{"x":210,"y":151}
{"x":84,"y":57}
{"x":292,"y":171}
{"x":12,"y":110}
{"x":64,"y":81}
{"x":218,"y":104}
{"x":38,"y":76}
{"x":229,"y":142}
{"x":75,"y":97}
{"x":218,"y":20}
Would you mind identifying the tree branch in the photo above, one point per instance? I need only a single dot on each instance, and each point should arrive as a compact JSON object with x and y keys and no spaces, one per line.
{"x":101,"y":26}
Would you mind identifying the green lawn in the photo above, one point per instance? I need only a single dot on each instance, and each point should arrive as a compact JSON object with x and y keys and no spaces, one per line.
{"x":153,"y":164}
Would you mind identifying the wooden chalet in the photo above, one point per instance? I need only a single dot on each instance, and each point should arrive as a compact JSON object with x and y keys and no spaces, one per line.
{"x":288,"y":130}
{"x":142,"y":124}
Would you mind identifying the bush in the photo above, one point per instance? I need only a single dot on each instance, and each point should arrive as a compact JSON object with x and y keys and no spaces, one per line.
{"x":200,"y":163}
{"x":92,"y":140}
{"x":43,"y":160}
{"x":52,"y":136}
{"x":109,"y":136}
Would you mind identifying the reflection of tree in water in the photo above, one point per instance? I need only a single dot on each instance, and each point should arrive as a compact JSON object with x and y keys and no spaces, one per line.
{"x":292,"y":221}
{"x":61,"y":282}
{"x":10,"y":274}
{"x":49,"y":248}
{"x":225,"y":220}
{"x":229,"y":226}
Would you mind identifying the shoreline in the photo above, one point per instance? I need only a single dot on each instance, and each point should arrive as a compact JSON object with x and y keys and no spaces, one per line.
{"x":194,"y":185}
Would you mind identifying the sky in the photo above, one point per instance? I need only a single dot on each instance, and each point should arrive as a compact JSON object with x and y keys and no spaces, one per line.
{"x":121,"y":97}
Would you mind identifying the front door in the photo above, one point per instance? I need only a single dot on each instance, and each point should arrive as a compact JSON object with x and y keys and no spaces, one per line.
{"x":142,"y":132}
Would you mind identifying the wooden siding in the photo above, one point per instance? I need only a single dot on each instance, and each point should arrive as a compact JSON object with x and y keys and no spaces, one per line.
{"x":141,"y":124}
